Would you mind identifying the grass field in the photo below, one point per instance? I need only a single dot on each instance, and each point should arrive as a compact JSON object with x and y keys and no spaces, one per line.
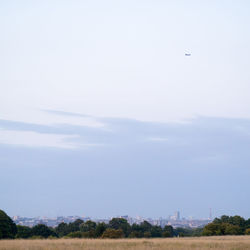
{"x":226,"y":242}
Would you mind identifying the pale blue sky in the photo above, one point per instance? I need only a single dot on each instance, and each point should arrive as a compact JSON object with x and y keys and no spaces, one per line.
{"x":99,"y":96}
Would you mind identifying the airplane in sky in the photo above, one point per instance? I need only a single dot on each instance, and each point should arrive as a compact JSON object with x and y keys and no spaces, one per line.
{"x":187,"y":54}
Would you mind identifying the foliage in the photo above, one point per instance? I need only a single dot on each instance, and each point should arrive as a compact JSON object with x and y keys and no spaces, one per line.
{"x":113,"y":233}
{"x":75,"y":226}
{"x":168,"y":231}
{"x":100,"y":228}
{"x":226,"y":225}
{"x":136,"y":234}
{"x":7,"y":226}
{"x":23,"y":232}
{"x":187,"y":232}
{"x":120,"y":228}
{"x":156,"y":231}
{"x":88,"y":226}
{"x":147,"y":235}
{"x":142,"y":230}
{"x":120,"y":223}
{"x":62,"y":229}
{"x":76,"y":234}
{"x":42,"y":230}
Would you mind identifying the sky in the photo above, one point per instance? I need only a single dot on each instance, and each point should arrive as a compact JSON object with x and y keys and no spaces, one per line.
{"x":102,"y":114}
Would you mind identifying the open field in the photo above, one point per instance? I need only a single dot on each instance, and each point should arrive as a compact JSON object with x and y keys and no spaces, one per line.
{"x":226,"y":242}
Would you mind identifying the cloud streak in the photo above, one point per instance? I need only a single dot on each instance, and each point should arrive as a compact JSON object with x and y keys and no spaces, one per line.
{"x":203,"y":134}
{"x":34,"y":139}
{"x":138,"y":164}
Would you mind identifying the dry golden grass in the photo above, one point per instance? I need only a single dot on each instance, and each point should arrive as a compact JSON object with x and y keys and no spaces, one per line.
{"x":202,"y":243}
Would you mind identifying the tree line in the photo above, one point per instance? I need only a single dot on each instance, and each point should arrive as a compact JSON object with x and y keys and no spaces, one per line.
{"x":120,"y":228}
{"x":227,"y":225}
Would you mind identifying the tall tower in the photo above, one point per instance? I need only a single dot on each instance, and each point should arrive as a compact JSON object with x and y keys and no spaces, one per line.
{"x":177,"y":215}
{"x":210,"y":213}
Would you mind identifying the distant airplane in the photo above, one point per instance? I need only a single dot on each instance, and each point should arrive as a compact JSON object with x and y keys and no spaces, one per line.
{"x":187,"y":54}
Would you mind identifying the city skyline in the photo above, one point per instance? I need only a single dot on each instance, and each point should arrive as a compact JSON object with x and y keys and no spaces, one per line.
{"x":173,"y":220}
{"x":175,"y":216}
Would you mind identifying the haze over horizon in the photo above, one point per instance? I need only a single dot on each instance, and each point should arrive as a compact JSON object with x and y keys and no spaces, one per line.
{"x":102,"y":114}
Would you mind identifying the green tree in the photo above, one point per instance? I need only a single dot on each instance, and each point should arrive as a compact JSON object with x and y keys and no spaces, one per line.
{"x":62,"y":229}
{"x":75,"y":226}
{"x":156,"y":231}
{"x":23,"y":232}
{"x":168,"y":231}
{"x":237,"y":220}
{"x":7,"y":226}
{"x":100,"y":228}
{"x":88,"y":226}
{"x":226,"y":225}
{"x":120,"y":223}
{"x":212,"y":229}
{"x":232,"y":230}
{"x":221,"y":229}
{"x":224,"y":219}
{"x":136,"y":231}
{"x":247,"y":223}
{"x":142,"y":230}
{"x":146,"y":226}
{"x":42,"y":230}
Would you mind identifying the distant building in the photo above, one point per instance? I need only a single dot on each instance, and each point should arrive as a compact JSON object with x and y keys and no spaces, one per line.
{"x":177,"y":215}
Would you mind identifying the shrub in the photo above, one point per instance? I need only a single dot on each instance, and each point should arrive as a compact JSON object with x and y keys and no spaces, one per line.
{"x":36,"y":237}
{"x":135,"y":234}
{"x":42,"y":230}
{"x":23,"y":232}
{"x":76,"y":234}
{"x":147,"y":235}
{"x":113,"y":233}
{"x":232,"y":230}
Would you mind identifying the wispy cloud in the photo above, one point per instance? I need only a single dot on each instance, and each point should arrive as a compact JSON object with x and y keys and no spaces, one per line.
{"x":202,"y":134}
{"x":34,"y":139}
{"x":157,"y":139}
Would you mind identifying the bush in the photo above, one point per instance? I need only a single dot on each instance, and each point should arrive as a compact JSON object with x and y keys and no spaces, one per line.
{"x":225,"y":226}
{"x":42,"y":230}
{"x":212,"y":229}
{"x":87,"y":226}
{"x":247,"y":232}
{"x":62,"y":229}
{"x":135,"y":234}
{"x":36,"y":237}
{"x":120,"y":223}
{"x":147,"y":235}
{"x":100,"y":228}
{"x":156,"y":231}
{"x":113,"y":233}
{"x":76,"y":234}
{"x":232,"y":230}
{"x":23,"y":232}
{"x":168,"y":231}
{"x":52,"y":237}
